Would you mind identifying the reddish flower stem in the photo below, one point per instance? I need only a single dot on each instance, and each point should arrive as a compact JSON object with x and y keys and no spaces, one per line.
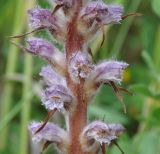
{"x":78,"y":119}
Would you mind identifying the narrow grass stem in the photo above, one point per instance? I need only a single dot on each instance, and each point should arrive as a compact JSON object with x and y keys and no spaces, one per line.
{"x":27,"y":85}
{"x":17,"y":108}
{"x":10,"y":69}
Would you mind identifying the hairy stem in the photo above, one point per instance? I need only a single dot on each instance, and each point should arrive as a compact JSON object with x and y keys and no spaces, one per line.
{"x":78,"y":119}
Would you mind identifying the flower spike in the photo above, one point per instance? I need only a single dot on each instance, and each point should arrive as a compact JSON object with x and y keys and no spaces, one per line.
{"x":72,"y":77}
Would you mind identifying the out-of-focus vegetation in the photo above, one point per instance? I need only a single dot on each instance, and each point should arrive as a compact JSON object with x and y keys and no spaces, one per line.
{"x":136,"y":40}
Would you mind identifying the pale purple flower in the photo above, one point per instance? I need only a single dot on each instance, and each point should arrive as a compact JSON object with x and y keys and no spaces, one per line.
{"x":99,"y":132}
{"x":41,"y":18}
{"x":56,"y":24}
{"x":101,"y":13}
{"x":80,"y":66}
{"x":46,"y":50}
{"x":51,"y":133}
{"x":51,"y":77}
{"x":57,"y":97}
{"x":41,"y":47}
{"x":94,"y":15}
{"x":106,"y":71}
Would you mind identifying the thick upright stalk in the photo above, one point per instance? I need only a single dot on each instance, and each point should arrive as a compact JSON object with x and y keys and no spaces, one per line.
{"x":78,"y":119}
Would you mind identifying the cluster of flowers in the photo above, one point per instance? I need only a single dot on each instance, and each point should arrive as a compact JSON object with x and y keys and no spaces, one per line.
{"x":91,"y":16}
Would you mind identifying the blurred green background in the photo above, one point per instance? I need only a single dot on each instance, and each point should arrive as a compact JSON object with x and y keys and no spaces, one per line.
{"x":136,"y":40}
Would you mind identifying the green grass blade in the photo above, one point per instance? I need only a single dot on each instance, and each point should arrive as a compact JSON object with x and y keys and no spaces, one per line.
{"x":18,"y":27}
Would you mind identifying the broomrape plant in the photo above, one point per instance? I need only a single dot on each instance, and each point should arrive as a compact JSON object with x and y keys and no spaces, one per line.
{"x":72,"y":78}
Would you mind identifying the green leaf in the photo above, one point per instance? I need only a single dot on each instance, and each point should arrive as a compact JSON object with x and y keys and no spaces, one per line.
{"x":156,"y":6}
{"x":144,"y":90}
{"x":147,"y":142}
{"x":140,"y":89}
{"x":148,"y":60}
